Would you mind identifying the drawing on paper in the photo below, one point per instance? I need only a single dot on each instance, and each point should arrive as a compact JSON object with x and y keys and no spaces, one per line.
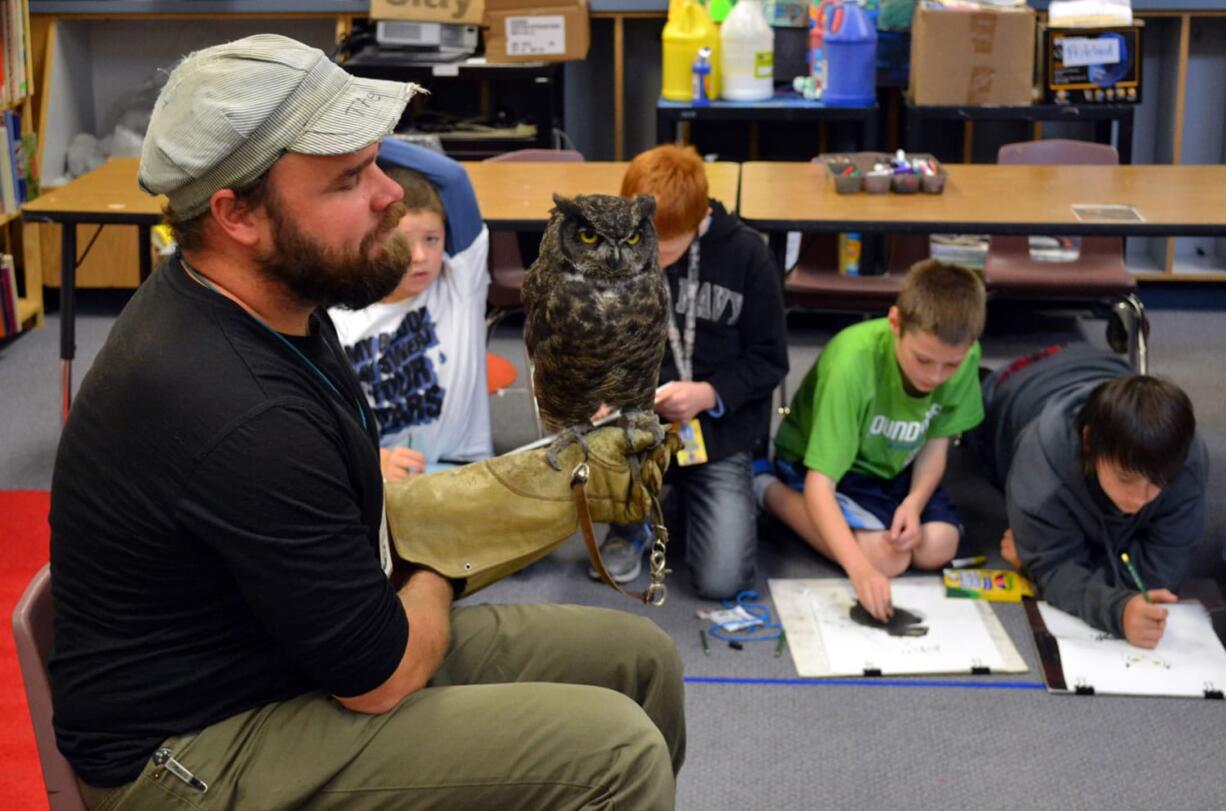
{"x":963,"y":636}
{"x":901,"y":623}
{"x":1188,"y":658}
{"x":1140,"y":658}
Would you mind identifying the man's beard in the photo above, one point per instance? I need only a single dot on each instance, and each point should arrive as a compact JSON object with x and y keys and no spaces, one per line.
{"x":322,"y":276}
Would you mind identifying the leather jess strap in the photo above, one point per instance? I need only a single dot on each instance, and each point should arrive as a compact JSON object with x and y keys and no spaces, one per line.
{"x":655,"y":591}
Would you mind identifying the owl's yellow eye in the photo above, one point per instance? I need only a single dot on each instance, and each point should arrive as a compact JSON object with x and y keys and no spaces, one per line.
{"x":588,"y":237}
{"x":634,"y":238}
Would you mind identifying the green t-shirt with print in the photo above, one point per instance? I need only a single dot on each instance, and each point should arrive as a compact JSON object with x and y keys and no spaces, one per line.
{"x":852,"y":412}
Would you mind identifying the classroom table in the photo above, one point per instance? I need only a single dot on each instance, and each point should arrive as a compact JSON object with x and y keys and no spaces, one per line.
{"x":518,"y":196}
{"x":992,"y":199}
{"x":106,"y":196}
{"x":511,"y":195}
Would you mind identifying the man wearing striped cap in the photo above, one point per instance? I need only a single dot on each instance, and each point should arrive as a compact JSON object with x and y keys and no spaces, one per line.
{"x":227,"y":635}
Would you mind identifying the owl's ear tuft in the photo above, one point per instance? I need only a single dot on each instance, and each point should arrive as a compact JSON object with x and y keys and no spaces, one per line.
{"x":566,"y":205}
{"x":646,"y":204}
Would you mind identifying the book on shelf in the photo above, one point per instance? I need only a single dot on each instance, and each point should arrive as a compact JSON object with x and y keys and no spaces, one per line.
{"x":12,"y":123}
{"x":10,"y":76}
{"x":10,"y":323}
{"x":8,"y":182}
{"x":5,"y":73}
{"x":14,"y":82}
{"x":21,"y":39}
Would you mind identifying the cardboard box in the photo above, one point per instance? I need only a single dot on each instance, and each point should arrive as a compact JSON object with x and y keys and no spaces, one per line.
{"x":536,"y":30}
{"x":972,"y":56}
{"x":1090,"y":65}
{"x":435,"y":11}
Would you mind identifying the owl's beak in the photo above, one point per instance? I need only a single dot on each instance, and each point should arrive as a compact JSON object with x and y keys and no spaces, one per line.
{"x":617,"y":254}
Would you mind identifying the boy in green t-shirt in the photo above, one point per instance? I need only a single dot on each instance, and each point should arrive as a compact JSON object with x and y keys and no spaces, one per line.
{"x":861,"y":455}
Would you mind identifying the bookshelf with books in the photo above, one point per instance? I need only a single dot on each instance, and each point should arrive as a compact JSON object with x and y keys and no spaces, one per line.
{"x":94,"y":60}
{"x":17,"y":311}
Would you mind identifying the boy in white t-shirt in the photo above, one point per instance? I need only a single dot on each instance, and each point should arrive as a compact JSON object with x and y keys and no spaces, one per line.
{"x":420,"y":352}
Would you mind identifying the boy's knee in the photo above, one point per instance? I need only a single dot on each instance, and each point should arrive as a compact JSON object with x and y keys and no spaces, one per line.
{"x":896,"y":563}
{"x":938,"y":545}
{"x":720,"y":584}
{"x":724,"y":570}
{"x":881,"y":553}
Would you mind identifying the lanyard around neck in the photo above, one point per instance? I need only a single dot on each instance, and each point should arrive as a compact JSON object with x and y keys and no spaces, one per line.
{"x":195,"y":274}
{"x":683,"y":350}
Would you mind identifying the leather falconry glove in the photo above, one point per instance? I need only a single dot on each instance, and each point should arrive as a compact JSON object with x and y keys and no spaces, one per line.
{"x":479,"y":523}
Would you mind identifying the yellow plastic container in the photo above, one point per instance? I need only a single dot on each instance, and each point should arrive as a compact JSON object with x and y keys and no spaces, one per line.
{"x":689,"y":28}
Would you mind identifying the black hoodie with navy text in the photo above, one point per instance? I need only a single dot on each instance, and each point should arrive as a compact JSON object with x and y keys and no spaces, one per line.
{"x":740,"y":343}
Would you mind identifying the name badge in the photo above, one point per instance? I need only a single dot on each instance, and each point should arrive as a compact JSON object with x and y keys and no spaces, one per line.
{"x":694,"y":450}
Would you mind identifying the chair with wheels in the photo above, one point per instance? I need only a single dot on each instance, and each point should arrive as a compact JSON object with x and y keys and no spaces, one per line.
{"x":1097,"y":278}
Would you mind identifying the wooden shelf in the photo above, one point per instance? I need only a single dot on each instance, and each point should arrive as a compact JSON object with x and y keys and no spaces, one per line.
{"x":27,"y":311}
{"x":13,"y":105}
{"x":1180,"y":277}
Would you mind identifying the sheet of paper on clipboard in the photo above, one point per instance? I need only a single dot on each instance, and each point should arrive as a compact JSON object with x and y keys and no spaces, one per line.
{"x":1188,"y":662}
{"x":964,"y":636}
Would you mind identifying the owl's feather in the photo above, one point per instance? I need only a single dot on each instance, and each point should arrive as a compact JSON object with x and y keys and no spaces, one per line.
{"x":596,"y":309}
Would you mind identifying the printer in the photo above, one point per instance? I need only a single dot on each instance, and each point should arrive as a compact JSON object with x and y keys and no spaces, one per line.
{"x":413,"y":41}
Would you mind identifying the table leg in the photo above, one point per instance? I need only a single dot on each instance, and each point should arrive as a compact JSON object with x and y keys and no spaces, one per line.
{"x":914,"y":141}
{"x":778,"y":241}
{"x":665,"y":132}
{"x":1102,"y":131}
{"x":68,"y":283}
{"x":144,"y":245}
{"x":871,"y":130}
{"x":1125,"y":136}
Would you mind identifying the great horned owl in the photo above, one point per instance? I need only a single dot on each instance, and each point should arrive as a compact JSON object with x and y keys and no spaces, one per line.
{"x":596,"y":310}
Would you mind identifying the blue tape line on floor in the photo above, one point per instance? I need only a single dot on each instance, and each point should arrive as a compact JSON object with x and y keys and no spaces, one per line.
{"x":871,"y":682}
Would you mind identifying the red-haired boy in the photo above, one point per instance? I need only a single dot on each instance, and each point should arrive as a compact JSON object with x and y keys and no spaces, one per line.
{"x":727,"y":353}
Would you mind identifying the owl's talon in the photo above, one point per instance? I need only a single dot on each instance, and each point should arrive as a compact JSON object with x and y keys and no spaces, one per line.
{"x":568,"y":436}
{"x":645,"y":421}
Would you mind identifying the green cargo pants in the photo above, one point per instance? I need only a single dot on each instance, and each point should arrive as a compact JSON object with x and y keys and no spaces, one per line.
{"x":535,"y":707}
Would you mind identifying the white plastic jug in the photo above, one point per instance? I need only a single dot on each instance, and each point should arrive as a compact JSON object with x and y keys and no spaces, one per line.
{"x":747,"y":54}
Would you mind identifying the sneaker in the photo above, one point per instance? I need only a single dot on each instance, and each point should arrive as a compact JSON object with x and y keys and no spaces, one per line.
{"x":622,"y":556}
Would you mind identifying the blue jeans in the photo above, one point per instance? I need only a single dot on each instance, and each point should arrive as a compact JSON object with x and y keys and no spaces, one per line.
{"x":712,"y":507}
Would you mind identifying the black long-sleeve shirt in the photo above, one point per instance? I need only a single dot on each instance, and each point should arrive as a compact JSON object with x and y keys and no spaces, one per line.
{"x":215,"y":513}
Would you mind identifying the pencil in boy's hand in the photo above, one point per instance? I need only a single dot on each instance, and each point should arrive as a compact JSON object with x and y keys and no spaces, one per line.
{"x":1136,"y":577}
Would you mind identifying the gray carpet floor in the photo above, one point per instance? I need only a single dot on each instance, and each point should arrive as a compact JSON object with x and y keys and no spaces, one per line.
{"x":760,"y":738}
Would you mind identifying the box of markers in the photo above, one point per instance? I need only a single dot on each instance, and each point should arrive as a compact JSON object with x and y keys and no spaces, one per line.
{"x":994,"y":585}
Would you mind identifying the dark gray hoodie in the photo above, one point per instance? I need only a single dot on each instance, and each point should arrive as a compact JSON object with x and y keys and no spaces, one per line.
{"x":1068,"y":533}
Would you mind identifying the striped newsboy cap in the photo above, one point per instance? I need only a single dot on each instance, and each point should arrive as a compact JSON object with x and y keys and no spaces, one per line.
{"x":228,"y":112}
